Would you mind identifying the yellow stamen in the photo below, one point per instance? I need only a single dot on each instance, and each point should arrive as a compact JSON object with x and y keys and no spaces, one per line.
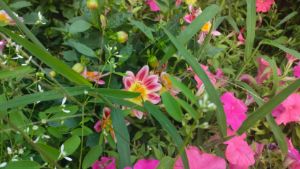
{"x":206,"y":27}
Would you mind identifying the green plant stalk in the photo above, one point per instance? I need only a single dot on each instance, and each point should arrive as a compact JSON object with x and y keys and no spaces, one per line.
{"x":250,"y":24}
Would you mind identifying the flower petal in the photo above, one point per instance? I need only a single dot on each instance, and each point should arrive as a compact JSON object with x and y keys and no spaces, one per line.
{"x":143,"y":73}
{"x":153,"y":98}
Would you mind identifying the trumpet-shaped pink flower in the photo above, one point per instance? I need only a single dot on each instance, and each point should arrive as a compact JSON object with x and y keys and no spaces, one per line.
{"x":145,"y":84}
{"x":289,"y":110}
{"x":145,"y":164}
{"x":296,"y":70}
{"x":293,"y":157}
{"x":264,"y":70}
{"x":235,"y":110}
{"x":264,"y":5}
{"x":239,"y":153}
{"x":200,"y":160}
{"x":153,"y":5}
{"x":105,"y":163}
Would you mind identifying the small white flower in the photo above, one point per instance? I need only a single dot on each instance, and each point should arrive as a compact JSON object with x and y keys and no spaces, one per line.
{"x":36,"y":140}
{"x":2,"y":165}
{"x":85,"y":92}
{"x":35,"y":127}
{"x":68,"y":158}
{"x":9,"y":151}
{"x":15,"y":158}
{"x":66,"y":111}
{"x":40,"y":88}
{"x":63,"y":102}
{"x":21,"y":151}
{"x":45,"y":136}
{"x":44,"y":121}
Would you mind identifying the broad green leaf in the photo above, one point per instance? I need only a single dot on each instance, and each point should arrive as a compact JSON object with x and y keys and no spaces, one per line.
{"x":172,"y":106}
{"x":23,"y":165}
{"x":188,"y":108}
{"x":17,"y":72}
{"x":169,"y":127}
{"x":57,"y":65}
{"x":145,"y":29}
{"x":71,"y":145}
{"x":20,"y":4}
{"x":209,"y":88}
{"x":250,"y":27}
{"x":184,"y":89}
{"x":286,"y":18}
{"x":166,"y":162}
{"x":47,"y":152}
{"x":122,"y":135}
{"x":82,"y":48}
{"x":267,"y":108}
{"x":285,"y":49}
{"x":208,"y":14}
{"x":84,"y":131}
{"x":79,"y":26}
{"x":91,"y":156}
{"x":278,"y":134}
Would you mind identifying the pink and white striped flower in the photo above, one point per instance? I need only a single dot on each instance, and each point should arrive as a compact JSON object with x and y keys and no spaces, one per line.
{"x":147,"y":85}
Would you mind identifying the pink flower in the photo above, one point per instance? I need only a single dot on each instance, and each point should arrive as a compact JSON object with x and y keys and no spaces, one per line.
{"x":146,"y":164}
{"x":296,"y":70}
{"x":105,"y":123}
{"x":153,"y":5}
{"x":178,"y":2}
{"x":200,"y":160}
{"x":94,"y":76}
{"x":264,"y":5}
{"x":293,"y":157}
{"x":97,"y":126}
{"x":264,"y":70}
{"x":289,"y":110}
{"x":145,"y":84}
{"x":192,"y":15}
{"x":235,"y":110}
{"x":239,"y":153}
{"x":241,"y":38}
{"x":105,"y":163}
{"x":291,"y":59}
{"x":2,"y":45}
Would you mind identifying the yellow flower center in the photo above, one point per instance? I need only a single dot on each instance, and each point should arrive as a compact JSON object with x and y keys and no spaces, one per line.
{"x":190,"y":2}
{"x":138,"y":87}
{"x":206,"y":27}
{"x":4,"y":18}
{"x":166,"y":80}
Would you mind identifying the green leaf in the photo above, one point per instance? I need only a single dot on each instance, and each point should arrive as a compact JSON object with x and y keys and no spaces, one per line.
{"x":211,"y":91}
{"x":167,"y":125}
{"x":264,"y":110}
{"x":288,"y":17}
{"x":172,"y":106}
{"x":71,"y":145}
{"x":57,"y":65}
{"x":145,"y":29}
{"x":23,"y":165}
{"x":166,"y":162}
{"x":188,"y":108}
{"x":92,"y":156}
{"x":184,"y":89}
{"x":20,"y":4}
{"x":84,"y":131}
{"x":46,"y":150}
{"x":17,"y":72}
{"x":122,"y":136}
{"x":82,"y":48}
{"x":79,"y":26}
{"x":208,"y":14}
{"x":285,"y":49}
{"x":278,"y":134}
{"x":250,"y":27}
{"x":232,"y":23}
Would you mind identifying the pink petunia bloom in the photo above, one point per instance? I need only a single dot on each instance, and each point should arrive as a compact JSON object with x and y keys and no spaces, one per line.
{"x":292,"y":160}
{"x":147,"y":85}
{"x":288,"y":111}
{"x":153,"y":5}
{"x":264,"y":71}
{"x":105,"y":163}
{"x":193,"y":13}
{"x":235,"y":110}
{"x":199,"y":160}
{"x":146,"y":164}
{"x":264,"y":5}
{"x":296,"y":70}
{"x":2,"y":45}
{"x":291,"y":59}
{"x":239,"y":153}
{"x":94,"y":76}
{"x":241,"y":39}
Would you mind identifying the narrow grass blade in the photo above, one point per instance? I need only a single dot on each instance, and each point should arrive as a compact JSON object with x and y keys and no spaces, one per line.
{"x":278,"y":134}
{"x":211,"y":91}
{"x":285,"y":19}
{"x":268,"y":107}
{"x":184,"y":89}
{"x":16,"y":72}
{"x":208,"y":14}
{"x":122,"y":136}
{"x":48,"y":59}
{"x":250,"y":27}
{"x":281,"y":47}
{"x":172,"y":106}
{"x":167,"y":125}
{"x":188,"y":108}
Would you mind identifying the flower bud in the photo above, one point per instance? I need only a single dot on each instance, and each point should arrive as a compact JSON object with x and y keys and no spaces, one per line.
{"x":153,"y":62}
{"x":78,"y":67}
{"x":92,"y":4}
{"x":122,"y":36}
{"x":52,"y":73}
